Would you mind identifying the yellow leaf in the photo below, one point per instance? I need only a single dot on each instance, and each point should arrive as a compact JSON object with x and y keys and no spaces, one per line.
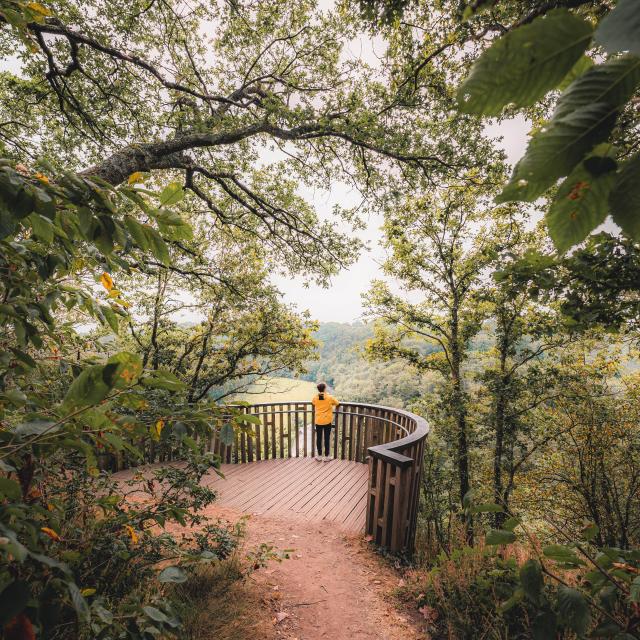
{"x":42,"y":178}
{"x":132,"y":534}
{"x":87,"y":592}
{"x":106,"y":281}
{"x":38,"y":8}
{"x":158,"y":428}
{"x":138,"y":176}
{"x":51,"y":533}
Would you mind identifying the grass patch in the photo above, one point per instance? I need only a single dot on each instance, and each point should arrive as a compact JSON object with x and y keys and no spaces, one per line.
{"x":219,"y":602}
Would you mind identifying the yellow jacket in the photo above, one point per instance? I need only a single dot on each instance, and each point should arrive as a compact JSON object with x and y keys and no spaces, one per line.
{"x":324,"y":408}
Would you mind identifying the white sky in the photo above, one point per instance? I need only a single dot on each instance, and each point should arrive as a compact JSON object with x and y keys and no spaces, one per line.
{"x":341,"y":301}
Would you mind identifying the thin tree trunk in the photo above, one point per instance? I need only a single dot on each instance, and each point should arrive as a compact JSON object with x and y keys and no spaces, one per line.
{"x":460,"y":412}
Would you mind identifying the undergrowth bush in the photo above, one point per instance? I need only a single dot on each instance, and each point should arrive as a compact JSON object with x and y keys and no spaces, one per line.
{"x":461,"y":596}
{"x":114,"y":539}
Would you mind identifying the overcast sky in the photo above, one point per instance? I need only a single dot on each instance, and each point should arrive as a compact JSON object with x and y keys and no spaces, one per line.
{"x":342,"y":301}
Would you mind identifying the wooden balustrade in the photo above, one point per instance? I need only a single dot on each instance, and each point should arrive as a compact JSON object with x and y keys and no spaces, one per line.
{"x":391,"y":441}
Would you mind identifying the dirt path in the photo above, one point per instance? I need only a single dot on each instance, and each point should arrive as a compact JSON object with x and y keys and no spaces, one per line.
{"x":333,"y":585}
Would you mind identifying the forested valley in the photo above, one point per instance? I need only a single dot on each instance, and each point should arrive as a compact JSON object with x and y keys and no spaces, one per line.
{"x":159,"y":160}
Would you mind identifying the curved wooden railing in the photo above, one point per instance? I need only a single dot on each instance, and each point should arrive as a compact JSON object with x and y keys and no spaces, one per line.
{"x":390,"y":440}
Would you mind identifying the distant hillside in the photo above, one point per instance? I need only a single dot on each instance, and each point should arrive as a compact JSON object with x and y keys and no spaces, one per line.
{"x":352,"y":377}
{"x":340,"y":344}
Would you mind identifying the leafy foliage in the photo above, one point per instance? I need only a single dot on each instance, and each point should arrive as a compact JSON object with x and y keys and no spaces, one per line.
{"x":532,"y":59}
{"x":601,"y":591}
{"x":525,"y":64}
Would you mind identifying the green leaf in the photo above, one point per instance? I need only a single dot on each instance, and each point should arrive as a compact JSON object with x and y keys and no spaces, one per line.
{"x":511,"y":523}
{"x":42,"y":227}
{"x":50,"y":562}
{"x":14,"y":547}
{"x":172,"y":574}
{"x":545,"y":626}
{"x":590,"y":531}
{"x":163,"y":379}
{"x":169,"y":218}
{"x":110,"y":317}
{"x":44,"y":203}
{"x":522,"y":66}
{"x":499,"y":536}
{"x":562,"y":554}
{"x":127,"y":368}
{"x":583,"y":118}
{"x":10,"y":489}
{"x":227,"y":434}
{"x":88,"y":388}
{"x":620,"y":28}
{"x":33,"y":428}
{"x":119,"y":444}
{"x":13,"y":600}
{"x":634,"y":594}
{"x":25,"y":358}
{"x":625,"y":198}
{"x":583,"y":64}
{"x":613,"y":82}
{"x":101,"y":613}
{"x":251,"y":419}
{"x":16,"y":397}
{"x":4,"y":466}
{"x":531,"y":580}
{"x":556,"y":150}
{"x":573,"y":609}
{"x":171,"y":194}
{"x":155,"y":614}
{"x":515,"y":599}
{"x":115,"y":441}
{"x":79,"y":603}
{"x":581,"y":204}
{"x":138,"y":233}
{"x":157,"y":246}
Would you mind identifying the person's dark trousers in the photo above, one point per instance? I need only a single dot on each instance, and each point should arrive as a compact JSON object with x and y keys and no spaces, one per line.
{"x":323,"y":431}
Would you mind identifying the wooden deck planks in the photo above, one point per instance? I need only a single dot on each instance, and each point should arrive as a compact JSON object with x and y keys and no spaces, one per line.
{"x":302,"y":488}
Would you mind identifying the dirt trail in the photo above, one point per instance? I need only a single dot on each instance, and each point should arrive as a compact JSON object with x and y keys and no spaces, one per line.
{"x":333,"y":586}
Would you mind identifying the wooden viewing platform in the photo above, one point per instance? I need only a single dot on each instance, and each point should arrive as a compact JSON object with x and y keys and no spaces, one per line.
{"x":372,"y":484}
{"x":297,"y":488}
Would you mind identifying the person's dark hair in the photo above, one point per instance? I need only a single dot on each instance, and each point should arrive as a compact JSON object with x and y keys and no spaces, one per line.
{"x":321,"y":388}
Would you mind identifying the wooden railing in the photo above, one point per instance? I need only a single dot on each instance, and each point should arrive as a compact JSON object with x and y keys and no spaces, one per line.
{"x":390,"y":440}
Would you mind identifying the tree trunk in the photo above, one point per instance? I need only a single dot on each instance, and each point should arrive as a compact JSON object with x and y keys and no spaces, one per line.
{"x":499,"y":494}
{"x":460,"y":412}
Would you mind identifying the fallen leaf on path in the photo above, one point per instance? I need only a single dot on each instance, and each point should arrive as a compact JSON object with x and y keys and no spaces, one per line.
{"x":280,"y":616}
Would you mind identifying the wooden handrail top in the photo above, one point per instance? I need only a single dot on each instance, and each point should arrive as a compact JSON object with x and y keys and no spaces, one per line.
{"x":390,"y":451}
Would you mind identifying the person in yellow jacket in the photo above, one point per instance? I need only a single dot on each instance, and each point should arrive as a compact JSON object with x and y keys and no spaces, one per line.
{"x":323,"y":403}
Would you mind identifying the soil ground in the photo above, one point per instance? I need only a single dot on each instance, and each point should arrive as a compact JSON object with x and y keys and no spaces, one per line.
{"x":332,"y":586}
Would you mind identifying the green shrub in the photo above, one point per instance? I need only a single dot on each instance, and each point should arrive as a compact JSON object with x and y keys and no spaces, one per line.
{"x":462,"y":596}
